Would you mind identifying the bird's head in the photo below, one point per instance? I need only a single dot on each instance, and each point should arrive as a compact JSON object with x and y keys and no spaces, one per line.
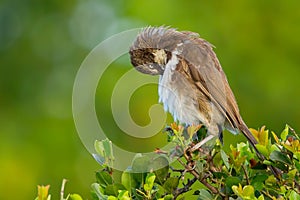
{"x":149,"y":60}
{"x":152,"y":49}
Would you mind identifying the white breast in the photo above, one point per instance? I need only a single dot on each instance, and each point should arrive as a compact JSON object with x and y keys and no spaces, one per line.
{"x":175,"y":92}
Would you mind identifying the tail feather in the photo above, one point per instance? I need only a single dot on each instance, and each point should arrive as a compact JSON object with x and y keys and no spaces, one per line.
{"x":247,"y":133}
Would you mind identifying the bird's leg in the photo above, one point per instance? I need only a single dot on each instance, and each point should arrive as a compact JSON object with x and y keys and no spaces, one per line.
{"x":202,"y":142}
{"x":215,"y":129}
{"x":220,"y":134}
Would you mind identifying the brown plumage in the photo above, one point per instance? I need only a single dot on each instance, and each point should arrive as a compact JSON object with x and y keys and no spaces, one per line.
{"x":196,"y":77}
{"x":193,"y":86}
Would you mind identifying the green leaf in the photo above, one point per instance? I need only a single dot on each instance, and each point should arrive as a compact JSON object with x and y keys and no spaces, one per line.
{"x":98,"y":145}
{"x":219,"y":175}
{"x":274,"y":147}
{"x":297,"y":165}
{"x":267,"y":162}
{"x":263,"y":150}
{"x":280,"y":165}
{"x":225,"y":159}
{"x":271,"y":180}
{"x":292,"y":173}
{"x":261,"y":197}
{"x":128,"y":181}
{"x":124,"y":195}
{"x":110,"y":190}
{"x":159,"y":191}
{"x":140,"y":163}
{"x":105,"y":151}
{"x":283,"y":189}
{"x":107,"y":144}
{"x":104,"y":147}
{"x":96,"y":189}
{"x":294,"y":195}
{"x":280,"y":157}
{"x":114,"y":189}
{"x":140,"y":166}
{"x":258,"y":185}
{"x":160,"y":165}
{"x":231,"y":181}
{"x":297,"y":155}
{"x":284,"y":133}
{"x":259,"y":178}
{"x":103,"y":178}
{"x":149,"y":182}
{"x":199,"y":166}
{"x":258,"y":181}
{"x":75,"y":197}
{"x":246,"y":193}
{"x":112,"y":198}
{"x":204,"y":195}
{"x":171,"y":184}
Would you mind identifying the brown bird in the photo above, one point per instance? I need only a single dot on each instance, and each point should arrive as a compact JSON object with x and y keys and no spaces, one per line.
{"x":192,"y":85}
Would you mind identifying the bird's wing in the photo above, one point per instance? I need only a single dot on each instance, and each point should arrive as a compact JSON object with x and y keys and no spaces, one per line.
{"x":207,"y":74}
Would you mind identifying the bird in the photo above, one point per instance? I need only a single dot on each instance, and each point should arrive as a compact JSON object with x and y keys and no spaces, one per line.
{"x":192,"y":84}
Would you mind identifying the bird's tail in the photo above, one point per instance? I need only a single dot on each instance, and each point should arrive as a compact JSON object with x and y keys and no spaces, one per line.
{"x":247,"y":133}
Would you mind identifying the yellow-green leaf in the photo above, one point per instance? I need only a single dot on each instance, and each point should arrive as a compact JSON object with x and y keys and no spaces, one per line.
{"x":263,"y":149}
{"x":123,"y":195}
{"x":149,"y":182}
{"x":284,"y":133}
{"x":75,"y":197}
{"x":261,"y":197}
{"x":112,"y":198}
{"x":238,"y":190}
{"x":248,"y":191}
{"x":43,"y":192}
{"x":275,"y":137}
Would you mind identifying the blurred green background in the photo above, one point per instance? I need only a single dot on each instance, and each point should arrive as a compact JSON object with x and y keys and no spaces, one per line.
{"x":42,"y":44}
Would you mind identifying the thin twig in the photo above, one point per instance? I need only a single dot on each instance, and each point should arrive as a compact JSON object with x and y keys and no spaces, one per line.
{"x":210,"y":187}
{"x":186,"y":188}
{"x":211,"y":164}
{"x":63,"y":189}
{"x":267,"y":194}
{"x":297,"y":185}
{"x":246,"y":175}
{"x":190,"y":167}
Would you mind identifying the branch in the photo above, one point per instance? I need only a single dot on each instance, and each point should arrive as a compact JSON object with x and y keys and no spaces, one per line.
{"x":186,"y":188}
